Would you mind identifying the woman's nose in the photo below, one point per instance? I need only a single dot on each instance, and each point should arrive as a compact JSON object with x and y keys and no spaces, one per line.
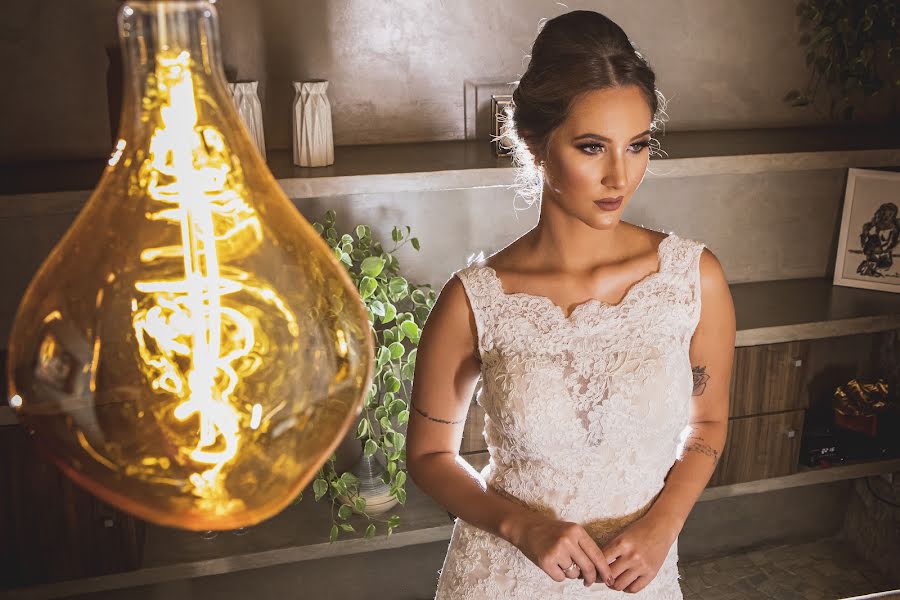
{"x":614,"y":175}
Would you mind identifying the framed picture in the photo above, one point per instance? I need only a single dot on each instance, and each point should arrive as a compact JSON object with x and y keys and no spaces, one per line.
{"x":868,"y":254}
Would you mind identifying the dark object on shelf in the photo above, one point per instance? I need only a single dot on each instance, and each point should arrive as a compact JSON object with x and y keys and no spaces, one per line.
{"x":866,"y":421}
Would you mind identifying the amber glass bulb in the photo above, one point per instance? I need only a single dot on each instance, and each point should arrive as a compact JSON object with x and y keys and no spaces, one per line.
{"x":191,"y":351}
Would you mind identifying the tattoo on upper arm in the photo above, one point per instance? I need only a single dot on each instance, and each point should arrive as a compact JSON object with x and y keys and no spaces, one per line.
{"x":698,"y":444}
{"x":700,"y":379}
{"x":435,"y":419}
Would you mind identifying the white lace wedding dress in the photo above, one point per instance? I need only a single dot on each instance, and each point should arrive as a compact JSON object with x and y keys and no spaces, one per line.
{"x":584,"y":417}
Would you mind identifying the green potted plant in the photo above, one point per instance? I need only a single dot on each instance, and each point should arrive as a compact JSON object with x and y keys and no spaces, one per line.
{"x":397,"y":312}
{"x":853,"y":46}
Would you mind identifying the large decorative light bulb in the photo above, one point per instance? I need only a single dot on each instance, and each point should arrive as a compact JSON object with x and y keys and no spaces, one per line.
{"x":191,"y":351}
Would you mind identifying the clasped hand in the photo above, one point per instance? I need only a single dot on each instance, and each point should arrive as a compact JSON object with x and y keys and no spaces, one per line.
{"x":627,"y":563}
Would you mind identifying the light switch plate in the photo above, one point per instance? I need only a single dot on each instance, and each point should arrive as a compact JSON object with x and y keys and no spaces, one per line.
{"x":477,"y":106}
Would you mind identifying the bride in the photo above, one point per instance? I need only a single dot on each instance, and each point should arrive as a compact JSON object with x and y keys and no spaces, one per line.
{"x":604,"y":351}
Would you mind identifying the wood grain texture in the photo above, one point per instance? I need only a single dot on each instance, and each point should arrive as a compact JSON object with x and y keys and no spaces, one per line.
{"x":760,"y":446}
{"x":51,"y":529}
{"x":769,"y":378}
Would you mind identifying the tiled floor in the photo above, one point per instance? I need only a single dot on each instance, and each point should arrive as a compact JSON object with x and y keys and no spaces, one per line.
{"x":826,"y":569}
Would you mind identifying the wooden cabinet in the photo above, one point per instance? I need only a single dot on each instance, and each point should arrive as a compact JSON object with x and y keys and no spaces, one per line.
{"x":768,"y":397}
{"x":759,"y":447}
{"x":769,"y":378}
{"x":53,"y":530}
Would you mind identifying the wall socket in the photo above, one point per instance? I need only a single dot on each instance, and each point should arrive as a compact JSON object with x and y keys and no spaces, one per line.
{"x":478,"y":118}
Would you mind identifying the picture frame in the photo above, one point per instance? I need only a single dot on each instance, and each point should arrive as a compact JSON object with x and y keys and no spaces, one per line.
{"x":868,"y":253}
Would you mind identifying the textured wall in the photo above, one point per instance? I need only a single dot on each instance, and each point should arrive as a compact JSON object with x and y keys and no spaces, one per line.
{"x":397,"y":68}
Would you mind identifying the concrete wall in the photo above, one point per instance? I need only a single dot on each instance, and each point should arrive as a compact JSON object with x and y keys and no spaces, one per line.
{"x":398,"y":69}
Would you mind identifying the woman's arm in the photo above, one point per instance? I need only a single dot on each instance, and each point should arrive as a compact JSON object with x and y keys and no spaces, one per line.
{"x":447,"y":369}
{"x":639,"y":551}
{"x":711,"y":355}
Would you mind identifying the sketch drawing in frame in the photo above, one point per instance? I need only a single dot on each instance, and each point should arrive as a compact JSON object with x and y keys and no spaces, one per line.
{"x":868,"y":254}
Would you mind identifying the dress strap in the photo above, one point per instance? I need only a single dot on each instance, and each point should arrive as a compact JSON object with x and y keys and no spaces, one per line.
{"x":684,"y":260}
{"x":480,"y":291}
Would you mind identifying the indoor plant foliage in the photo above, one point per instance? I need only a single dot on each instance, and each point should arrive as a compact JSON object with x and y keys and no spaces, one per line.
{"x":397,"y":312}
{"x":845,"y":40}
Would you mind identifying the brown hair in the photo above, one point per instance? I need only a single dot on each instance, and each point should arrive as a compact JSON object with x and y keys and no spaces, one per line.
{"x":574,"y":53}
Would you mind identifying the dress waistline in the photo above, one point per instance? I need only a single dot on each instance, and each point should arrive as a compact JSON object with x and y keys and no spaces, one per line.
{"x":601,"y":530}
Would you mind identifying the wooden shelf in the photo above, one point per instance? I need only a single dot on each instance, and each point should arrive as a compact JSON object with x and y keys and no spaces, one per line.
{"x":430,"y":166}
{"x":784,"y":310}
{"x":300,"y":533}
{"x":804,"y":476}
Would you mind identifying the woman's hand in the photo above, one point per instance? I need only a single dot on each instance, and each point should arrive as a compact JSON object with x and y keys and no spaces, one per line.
{"x":552,"y":545}
{"x":638,"y":552}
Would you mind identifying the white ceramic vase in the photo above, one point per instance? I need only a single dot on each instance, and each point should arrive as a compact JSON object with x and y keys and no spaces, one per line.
{"x":246,"y":100}
{"x":313,"y":138}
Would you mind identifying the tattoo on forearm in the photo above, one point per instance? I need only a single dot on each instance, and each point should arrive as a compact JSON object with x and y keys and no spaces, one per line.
{"x":435,"y":419}
{"x":700,"y":379}
{"x":698,"y":444}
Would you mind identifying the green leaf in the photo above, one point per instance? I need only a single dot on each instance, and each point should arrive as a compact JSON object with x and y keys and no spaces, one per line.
{"x":391,"y":467}
{"x":347,"y":527}
{"x":329,"y":217}
{"x":401,"y":496}
{"x":403,"y":417}
{"x":361,"y":231}
{"x":385,"y":423}
{"x":363,"y":428}
{"x":397,"y":350}
{"x":360,"y":504}
{"x":377,"y":307}
{"x":418,"y":296}
{"x":398,"y":286}
{"x":370,"y":530}
{"x":319,"y":228}
{"x":399,"y":439}
{"x":372,"y":266}
{"x":320,"y":486}
{"x":408,"y":370}
{"x":410,"y":329}
{"x":370,"y":448}
{"x":415,"y":243}
{"x":334,"y":533}
{"x":411,"y":357}
{"x":390,"y":311}
{"x":394,"y":520}
{"x":396,"y":234}
{"x":367,"y":286}
{"x":349,"y":478}
{"x":384,"y":355}
{"x":400,"y":479}
{"x":380,"y":413}
{"x":345,"y":511}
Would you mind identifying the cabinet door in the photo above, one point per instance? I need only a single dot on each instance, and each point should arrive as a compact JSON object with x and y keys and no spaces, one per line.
{"x":759,"y":447}
{"x":769,"y":378}
{"x":50,"y":528}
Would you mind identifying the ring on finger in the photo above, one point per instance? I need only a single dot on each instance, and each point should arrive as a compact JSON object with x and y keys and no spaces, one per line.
{"x":574,"y":565}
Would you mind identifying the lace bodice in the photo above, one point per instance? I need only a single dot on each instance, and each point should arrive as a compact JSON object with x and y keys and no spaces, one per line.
{"x":584,"y":414}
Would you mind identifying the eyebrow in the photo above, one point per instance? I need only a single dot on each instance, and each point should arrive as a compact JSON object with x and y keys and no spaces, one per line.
{"x":606,"y":139}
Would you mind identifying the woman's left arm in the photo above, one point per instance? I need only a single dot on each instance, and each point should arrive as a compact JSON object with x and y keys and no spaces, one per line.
{"x":711,"y":356}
